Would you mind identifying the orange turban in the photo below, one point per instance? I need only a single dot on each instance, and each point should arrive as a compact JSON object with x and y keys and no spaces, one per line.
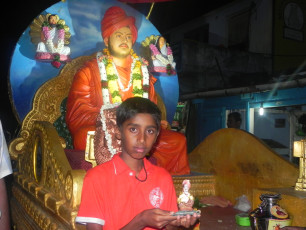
{"x":116,"y":18}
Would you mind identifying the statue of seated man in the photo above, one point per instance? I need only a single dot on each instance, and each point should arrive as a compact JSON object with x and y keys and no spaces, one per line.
{"x":112,"y":77}
{"x":162,"y":57}
{"x":52,"y":41}
{"x":185,"y":200}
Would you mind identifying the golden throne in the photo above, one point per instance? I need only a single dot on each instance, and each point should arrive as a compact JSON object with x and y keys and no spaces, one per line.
{"x":46,"y":189}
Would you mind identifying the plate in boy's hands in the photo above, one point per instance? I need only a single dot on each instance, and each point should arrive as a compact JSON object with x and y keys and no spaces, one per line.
{"x":185,"y":213}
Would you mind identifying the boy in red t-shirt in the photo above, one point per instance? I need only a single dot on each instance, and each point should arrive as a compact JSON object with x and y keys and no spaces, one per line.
{"x":128,"y":192}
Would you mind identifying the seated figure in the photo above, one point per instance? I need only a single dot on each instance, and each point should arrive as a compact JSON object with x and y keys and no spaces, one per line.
{"x":185,"y":200}
{"x":110,"y":78}
{"x":162,"y":57}
{"x":52,"y":45}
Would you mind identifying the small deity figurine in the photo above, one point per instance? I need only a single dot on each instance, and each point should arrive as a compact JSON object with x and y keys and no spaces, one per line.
{"x":162,"y":57}
{"x":185,"y":200}
{"x":53,"y":38}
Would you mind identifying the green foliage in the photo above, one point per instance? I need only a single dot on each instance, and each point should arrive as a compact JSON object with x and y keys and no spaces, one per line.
{"x":61,"y":126}
{"x":197,"y":203}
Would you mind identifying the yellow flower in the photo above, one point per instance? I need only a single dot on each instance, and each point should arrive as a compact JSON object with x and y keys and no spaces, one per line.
{"x":137,"y":84}
{"x":116,"y":99}
{"x":137,"y":70}
{"x":137,"y":95}
{"x":112,"y":85}
{"x":138,"y":64}
{"x":110,"y":70}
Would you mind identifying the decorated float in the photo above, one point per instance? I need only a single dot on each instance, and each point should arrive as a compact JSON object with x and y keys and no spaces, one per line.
{"x":48,"y":179}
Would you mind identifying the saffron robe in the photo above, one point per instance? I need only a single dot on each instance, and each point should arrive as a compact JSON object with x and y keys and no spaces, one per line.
{"x":83,"y":108}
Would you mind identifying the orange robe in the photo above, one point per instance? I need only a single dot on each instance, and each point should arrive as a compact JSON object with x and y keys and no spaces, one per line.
{"x":83,"y":107}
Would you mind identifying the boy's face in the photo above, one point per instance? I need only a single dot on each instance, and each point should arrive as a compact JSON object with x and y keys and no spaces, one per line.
{"x":138,"y":135}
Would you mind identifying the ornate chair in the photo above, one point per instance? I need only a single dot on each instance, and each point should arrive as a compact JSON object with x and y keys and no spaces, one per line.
{"x":47,"y":185}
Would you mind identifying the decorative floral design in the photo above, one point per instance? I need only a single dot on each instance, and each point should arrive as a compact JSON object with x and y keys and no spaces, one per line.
{"x":60,"y":36}
{"x":56,"y":60}
{"x":165,"y":61}
{"x":108,"y":136}
{"x":139,"y":78}
{"x":110,"y":81}
{"x":51,"y":38}
{"x":49,"y":42}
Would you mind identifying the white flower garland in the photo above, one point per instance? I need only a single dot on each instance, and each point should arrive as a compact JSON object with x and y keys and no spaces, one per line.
{"x":160,"y":57}
{"x":108,"y":137}
{"x":107,"y":104}
{"x":60,"y":43}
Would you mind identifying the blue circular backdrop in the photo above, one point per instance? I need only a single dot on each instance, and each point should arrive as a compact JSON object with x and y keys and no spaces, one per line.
{"x":83,"y":17}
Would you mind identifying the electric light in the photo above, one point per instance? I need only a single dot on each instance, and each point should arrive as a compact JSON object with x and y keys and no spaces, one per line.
{"x":261,"y":110}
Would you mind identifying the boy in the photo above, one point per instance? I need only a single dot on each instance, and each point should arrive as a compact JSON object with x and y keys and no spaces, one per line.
{"x":128,"y":192}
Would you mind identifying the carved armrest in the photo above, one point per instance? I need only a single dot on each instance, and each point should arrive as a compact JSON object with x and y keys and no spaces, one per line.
{"x":89,"y":150}
{"x":45,"y":173}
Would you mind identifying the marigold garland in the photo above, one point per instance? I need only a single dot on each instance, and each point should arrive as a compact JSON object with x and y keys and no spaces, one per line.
{"x":139,"y":77}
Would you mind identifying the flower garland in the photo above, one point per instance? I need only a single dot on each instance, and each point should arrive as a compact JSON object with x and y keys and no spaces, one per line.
{"x":110,"y":81}
{"x":108,"y":136}
{"x":60,"y":36}
{"x":56,"y":60}
{"x":139,"y":78}
{"x":160,"y":57}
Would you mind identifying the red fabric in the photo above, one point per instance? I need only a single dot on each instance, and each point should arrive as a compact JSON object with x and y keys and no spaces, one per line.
{"x":116,"y":18}
{"x":170,"y":151}
{"x":85,"y":100}
{"x":112,"y":196}
{"x":77,"y":160}
{"x":83,"y":107}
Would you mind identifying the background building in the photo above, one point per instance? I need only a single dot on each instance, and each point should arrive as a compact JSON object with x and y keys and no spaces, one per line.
{"x":243,"y":56}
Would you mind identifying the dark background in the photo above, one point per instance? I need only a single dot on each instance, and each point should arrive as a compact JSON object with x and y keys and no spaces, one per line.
{"x":17,"y":16}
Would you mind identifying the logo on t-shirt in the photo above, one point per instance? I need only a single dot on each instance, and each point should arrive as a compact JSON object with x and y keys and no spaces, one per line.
{"x":156,"y":197}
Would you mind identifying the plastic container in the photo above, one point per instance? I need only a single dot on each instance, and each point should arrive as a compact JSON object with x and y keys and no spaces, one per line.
{"x":243,"y":219}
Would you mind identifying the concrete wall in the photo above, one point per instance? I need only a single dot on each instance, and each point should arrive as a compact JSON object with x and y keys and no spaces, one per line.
{"x":259,"y":26}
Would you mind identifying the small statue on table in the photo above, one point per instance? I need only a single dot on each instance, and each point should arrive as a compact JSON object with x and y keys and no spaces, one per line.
{"x":185,"y":200}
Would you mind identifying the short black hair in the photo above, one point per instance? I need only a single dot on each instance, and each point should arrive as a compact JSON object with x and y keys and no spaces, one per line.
{"x":134,"y":105}
{"x":235,"y":115}
{"x":51,"y":15}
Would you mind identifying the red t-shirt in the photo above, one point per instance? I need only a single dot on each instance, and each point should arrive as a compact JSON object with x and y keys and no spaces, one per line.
{"x":112,"y":196}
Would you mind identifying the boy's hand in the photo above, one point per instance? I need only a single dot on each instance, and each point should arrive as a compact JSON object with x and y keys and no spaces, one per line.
{"x":157,"y":218}
{"x":185,"y":221}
